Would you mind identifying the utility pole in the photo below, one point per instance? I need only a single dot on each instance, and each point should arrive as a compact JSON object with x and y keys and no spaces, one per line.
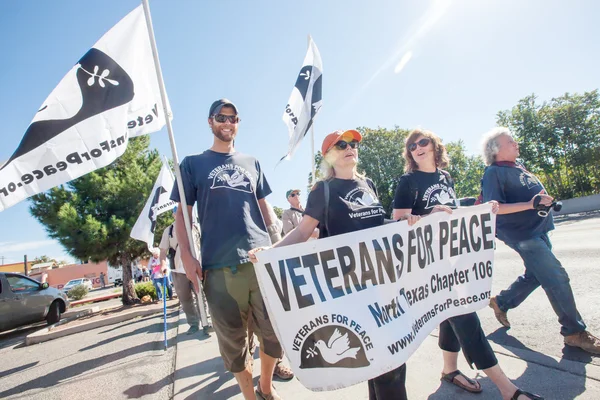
{"x":2,"y":258}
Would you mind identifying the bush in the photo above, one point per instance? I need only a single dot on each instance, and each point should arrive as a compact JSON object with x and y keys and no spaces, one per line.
{"x":78,"y":292}
{"x":145,"y":288}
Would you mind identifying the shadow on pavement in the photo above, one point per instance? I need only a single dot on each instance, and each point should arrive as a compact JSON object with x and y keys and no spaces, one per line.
{"x":216,"y":369}
{"x":6,"y":373}
{"x":55,"y":377}
{"x":149,"y":329}
{"x":138,"y":391}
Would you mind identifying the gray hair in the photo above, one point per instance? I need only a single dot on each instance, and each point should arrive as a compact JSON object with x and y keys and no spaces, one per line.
{"x":327,"y":170}
{"x":490,"y":143}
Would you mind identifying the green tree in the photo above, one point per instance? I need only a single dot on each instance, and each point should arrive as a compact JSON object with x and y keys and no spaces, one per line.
{"x":92,"y":216}
{"x":466,"y":170}
{"x":278,"y":211}
{"x":380,"y":159}
{"x":42,"y":259}
{"x":559,"y":141}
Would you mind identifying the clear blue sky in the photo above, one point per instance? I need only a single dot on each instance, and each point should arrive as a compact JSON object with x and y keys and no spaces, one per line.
{"x":469,"y":60}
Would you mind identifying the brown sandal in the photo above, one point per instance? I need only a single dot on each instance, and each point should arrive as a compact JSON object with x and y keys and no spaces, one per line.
{"x":450,"y":378}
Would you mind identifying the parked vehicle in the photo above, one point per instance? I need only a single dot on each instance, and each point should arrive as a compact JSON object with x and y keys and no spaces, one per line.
{"x":74,"y":282}
{"x":115,"y":275}
{"x":24,"y":301}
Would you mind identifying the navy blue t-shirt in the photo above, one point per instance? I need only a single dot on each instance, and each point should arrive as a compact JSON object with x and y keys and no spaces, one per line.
{"x":226,"y":189}
{"x":509,"y":185}
{"x":353,"y":205}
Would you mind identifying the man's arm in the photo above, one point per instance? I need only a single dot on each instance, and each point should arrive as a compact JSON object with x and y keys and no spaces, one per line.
{"x":269,"y":217}
{"x":193,"y":269}
{"x":524,"y":206}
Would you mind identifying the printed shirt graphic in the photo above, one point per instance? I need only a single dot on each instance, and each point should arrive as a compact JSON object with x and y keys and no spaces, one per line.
{"x":333,"y":346}
{"x":226,"y":189}
{"x":432,"y":188}
{"x":507,"y":185}
{"x":353,"y":205}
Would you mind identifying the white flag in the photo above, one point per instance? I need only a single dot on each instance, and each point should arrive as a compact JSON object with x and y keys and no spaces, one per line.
{"x":305,"y":101}
{"x":158,"y":203}
{"x":110,"y":95}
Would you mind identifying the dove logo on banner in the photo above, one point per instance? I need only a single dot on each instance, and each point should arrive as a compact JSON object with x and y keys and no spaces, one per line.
{"x":158,"y":203}
{"x":108,"y":96}
{"x":334,"y":346}
{"x":306,"y":99}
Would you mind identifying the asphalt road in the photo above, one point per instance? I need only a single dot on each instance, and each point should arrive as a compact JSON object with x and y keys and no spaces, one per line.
{"x":576,"y":243}
{"x":122,"y":361}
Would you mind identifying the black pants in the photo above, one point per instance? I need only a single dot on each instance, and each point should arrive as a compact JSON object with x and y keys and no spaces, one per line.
{"x":464,"y":331}
{"x":391,"y":385}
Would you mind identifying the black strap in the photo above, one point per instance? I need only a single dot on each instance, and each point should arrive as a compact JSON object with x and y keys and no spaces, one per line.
{"x":326,"y":188}
{"x":295,"y":209}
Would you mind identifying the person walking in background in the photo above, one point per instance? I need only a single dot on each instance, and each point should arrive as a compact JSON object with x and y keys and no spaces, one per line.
{"x":426,"y":188}
{"x":183,"y":287}
{"x":524,"y":229}
{"x":102,"y":280}
{"x":291,"y":217}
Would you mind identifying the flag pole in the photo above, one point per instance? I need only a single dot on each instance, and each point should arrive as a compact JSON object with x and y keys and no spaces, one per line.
{"x":312,"y":137}
{"x":163,"y":96}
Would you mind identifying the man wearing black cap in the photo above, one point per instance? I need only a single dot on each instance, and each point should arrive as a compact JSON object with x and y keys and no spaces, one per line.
{"x":229,"y":191}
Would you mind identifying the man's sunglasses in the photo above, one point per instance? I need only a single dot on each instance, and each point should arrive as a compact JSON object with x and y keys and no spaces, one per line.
{"x":294,"y":194}
{"x":342,"y":145}
{"x":220,"y":118}
{"x":422,"y":143}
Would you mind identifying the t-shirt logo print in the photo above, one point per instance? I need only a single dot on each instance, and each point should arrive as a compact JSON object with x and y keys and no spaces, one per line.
{"x":234,"y":179}
{"x":333,"y":347}
{"x":439,"y":195}
{"x":528,"y":180}
{"x":360,"y":198}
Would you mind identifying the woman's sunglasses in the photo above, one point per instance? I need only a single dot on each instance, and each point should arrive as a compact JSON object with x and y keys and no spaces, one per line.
{"x":220,"y":118}
{"x":422,"y":143}
{"x":343,"y":145}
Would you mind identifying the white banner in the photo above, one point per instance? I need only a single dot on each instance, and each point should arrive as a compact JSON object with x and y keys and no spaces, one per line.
{"x":306,"y":100}
{"x":158,"y":203}
{"x":354,"y":306}
{"x":110,"y":95}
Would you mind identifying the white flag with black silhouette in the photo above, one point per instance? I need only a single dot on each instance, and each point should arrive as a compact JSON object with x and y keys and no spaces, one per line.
{"x":158,"y":203}
{"x":110,"y":95}
{"x":305,"y":101}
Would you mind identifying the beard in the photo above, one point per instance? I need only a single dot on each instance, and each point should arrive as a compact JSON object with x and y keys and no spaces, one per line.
{"x":222,"y":137}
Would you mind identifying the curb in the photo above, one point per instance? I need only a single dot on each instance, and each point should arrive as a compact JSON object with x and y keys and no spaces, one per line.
{"x":95,"y":299}
{"x":46,"y":334}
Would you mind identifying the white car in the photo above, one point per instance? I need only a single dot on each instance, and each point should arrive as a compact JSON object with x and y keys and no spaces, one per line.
{"x":74,"y":282}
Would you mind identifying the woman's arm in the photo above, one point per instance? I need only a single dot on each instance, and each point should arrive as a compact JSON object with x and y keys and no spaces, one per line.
{"x":299,"y":234}
{"x":401,"y":214}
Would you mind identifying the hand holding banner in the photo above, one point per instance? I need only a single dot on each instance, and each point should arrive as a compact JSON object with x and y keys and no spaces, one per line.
{"x":354,"y":306}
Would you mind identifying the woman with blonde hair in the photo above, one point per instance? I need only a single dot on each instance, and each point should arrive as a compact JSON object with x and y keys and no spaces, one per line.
{"x":426,"y":188}
{"x":336,"y":205}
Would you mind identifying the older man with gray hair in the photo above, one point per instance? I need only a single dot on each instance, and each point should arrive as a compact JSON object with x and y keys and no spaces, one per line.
{"x":523,"y":229}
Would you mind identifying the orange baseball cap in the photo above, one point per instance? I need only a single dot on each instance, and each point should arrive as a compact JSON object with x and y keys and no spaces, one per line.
{"x":331,"y":139}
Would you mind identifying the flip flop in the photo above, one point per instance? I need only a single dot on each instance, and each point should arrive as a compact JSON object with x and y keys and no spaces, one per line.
{"x":450,"y":378}
{"x":531,"y":396}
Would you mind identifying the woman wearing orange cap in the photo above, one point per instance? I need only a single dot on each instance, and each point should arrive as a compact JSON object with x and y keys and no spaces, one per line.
{"x":425,"y":189}
{"x":335,"y":204}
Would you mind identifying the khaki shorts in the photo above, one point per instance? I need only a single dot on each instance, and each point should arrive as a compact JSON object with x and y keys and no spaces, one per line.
{"x":233,"y":295}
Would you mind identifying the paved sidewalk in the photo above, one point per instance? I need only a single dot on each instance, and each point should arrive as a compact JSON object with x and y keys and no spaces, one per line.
{"x":199,"y":374}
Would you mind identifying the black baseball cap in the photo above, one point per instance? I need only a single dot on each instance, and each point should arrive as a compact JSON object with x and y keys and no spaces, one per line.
{"x":215,"y":108}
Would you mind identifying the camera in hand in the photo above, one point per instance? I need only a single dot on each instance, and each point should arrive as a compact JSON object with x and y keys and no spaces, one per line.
{"x":543,"y":210}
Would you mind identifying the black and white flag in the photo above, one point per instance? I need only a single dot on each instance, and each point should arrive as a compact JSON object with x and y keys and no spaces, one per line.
{"x":158,"y":203}
{"x":305,"y":101}
{"x":110,"y":95}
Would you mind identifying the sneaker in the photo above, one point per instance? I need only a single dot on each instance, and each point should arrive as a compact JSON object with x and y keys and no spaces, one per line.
{"x":500,"y":315}
{"x":193,"y":329}
{"x":270,"y":396}
{"x":585,"y":341}
{"x":282,"y":371}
